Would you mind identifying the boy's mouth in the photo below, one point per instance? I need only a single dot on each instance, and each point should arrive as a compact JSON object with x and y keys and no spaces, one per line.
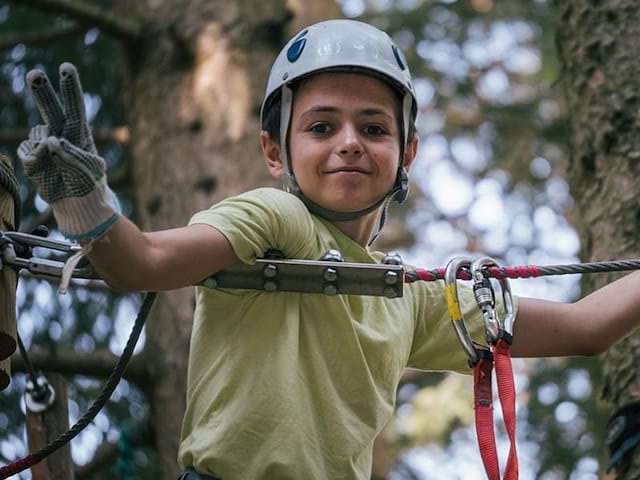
{"x":349,"y":170}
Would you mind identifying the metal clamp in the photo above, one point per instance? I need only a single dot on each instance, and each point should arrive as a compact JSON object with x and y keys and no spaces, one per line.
{"x":40,"y":397}
{"x":495,"y":328}
{"x":40,"y":267}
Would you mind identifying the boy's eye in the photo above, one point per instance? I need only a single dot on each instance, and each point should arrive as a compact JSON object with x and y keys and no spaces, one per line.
{"x":374,"y":130}
{"x":320,"y":128}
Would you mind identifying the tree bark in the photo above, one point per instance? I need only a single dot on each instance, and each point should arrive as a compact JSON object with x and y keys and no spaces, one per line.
{"x":45,"y":427}
{"x":8,"y":281}
{"x":598,"y":42}
{"x":193,"y":92}
{"x":97,"y":364}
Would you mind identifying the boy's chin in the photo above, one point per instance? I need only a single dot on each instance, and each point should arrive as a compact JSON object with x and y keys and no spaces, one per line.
{"x":344,"y":203}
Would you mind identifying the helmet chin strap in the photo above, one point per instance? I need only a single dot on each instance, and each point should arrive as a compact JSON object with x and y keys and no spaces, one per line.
{"x":398,"y":192}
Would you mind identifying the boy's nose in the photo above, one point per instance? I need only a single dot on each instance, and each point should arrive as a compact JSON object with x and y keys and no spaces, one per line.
{"x":350,"y":143}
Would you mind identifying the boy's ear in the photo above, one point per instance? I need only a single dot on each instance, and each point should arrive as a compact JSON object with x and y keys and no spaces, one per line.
{"x":271,"y":152}
{"x":411,"y":152}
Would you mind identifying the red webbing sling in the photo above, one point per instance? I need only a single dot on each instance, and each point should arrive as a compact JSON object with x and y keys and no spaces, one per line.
{"x":483,"y":360}
{"x":500,"y":357}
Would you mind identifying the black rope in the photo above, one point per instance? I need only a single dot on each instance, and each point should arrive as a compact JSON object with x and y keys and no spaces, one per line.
{"x":96,"y":406}
{"x":25,"y":357}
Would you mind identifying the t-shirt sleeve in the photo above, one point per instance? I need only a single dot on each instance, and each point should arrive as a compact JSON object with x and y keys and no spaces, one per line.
{"x":435,"y":344}
{"x":258,"y":220}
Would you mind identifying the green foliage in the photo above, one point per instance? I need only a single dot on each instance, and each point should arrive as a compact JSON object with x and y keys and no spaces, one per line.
{"x":86,"y":319}
{"x":487,"y":76}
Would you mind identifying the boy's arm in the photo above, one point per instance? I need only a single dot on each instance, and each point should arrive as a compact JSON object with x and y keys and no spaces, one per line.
{"x":60,"y":157}
{"x":130,"y":260}
{"x":587,"y":327}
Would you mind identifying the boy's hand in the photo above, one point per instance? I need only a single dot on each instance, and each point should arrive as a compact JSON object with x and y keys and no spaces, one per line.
{"x":61,"y":159}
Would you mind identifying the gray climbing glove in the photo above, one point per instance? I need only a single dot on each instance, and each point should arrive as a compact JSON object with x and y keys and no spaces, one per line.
{"x":60,"y":157}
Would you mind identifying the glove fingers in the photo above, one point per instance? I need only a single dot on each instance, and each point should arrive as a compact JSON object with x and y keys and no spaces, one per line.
{"x":72,"y":158}
{"x":73,"y":103}
{"x":39,"y":133}
{"x":80,"y":169}
{"x":30,"y":152}
{"x":34,"y":149}
{"x":46,"y":100}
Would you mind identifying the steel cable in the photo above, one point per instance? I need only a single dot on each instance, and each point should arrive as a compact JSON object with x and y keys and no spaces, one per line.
{"x":529,"y":271}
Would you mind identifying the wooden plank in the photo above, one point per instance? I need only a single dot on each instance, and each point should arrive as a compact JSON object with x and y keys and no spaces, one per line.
{"x":43,"y":428}
{"x":8,"y":281}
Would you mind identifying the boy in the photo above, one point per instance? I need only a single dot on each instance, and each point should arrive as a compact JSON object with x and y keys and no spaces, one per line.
{"x":286,"y":385}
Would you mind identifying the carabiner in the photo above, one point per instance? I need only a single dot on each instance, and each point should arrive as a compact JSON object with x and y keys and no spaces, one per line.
{"x":473,"y":350}
{"x":495,"y":328}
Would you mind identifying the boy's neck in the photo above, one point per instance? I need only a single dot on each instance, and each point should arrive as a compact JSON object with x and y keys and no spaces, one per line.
{"x":360,"y":229}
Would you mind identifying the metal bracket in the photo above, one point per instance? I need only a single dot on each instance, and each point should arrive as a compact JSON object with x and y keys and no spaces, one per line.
{"x":310,"y":276}
{"x":329,"y":276}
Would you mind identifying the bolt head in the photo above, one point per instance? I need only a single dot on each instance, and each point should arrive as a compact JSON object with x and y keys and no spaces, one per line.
{"x":270,"y":285}
{"x":392,"y":258}
{"x":330,"y":274}
{"x":270,"y":271}
{"x":391,"y":278}
{"x":330,"y":289}
{"x":390,"y":292}
{"x":332,"y":255}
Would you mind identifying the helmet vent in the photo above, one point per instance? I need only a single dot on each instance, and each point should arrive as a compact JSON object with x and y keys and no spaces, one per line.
{"x":396,"y":53}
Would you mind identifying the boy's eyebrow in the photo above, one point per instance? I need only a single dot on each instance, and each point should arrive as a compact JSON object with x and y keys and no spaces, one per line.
{"x":329,"y":109}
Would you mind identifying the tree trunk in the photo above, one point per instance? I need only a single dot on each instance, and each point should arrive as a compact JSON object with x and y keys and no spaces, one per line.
{"x":44,"y":427}
{"x":8,"y":279}
{"x":193,"y":94}
{"x":598,"y":45}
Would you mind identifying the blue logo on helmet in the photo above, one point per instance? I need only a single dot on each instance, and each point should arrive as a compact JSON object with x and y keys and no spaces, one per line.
{"x":296,"y":48}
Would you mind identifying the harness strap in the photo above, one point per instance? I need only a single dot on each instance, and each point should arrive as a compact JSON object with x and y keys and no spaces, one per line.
{"x":507,"y":394}
{"x":483,"y":403}
{"x":500,"y":357}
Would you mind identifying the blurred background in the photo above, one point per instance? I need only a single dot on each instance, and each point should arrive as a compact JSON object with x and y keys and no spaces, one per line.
{"x":173,"y":90}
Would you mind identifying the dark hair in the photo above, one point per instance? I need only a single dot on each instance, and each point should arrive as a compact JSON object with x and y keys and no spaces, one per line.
{"x":271,"y":115}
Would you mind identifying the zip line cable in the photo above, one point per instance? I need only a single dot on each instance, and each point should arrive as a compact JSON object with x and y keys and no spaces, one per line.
{"x":529,"y":271}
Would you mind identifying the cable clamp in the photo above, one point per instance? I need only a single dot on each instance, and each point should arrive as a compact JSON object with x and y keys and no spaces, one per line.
{"x":39,"y":397}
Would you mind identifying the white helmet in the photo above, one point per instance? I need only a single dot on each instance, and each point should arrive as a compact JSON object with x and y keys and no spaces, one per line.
{"x":343,"y":46}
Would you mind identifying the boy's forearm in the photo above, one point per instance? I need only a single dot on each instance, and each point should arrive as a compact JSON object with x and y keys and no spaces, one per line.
{"x":120,"y":256}
{"x":587,"y":327}
{"x":613,"y":311}
{"x":131,"y":260}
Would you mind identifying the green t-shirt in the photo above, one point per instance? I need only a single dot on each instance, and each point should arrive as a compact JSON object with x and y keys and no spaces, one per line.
{"x":287,"y":385}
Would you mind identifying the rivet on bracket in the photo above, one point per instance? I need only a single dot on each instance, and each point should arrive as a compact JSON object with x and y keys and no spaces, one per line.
{"x":270,"y":271}
{"x":330,"y":289}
